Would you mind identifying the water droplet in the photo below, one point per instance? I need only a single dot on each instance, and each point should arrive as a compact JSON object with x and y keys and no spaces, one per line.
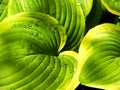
{"x":29,"y":25}
{"x":71,"y":71}
{"x":58,"y":81}
{"x":36,"y":24}
{"x":37,"y":34}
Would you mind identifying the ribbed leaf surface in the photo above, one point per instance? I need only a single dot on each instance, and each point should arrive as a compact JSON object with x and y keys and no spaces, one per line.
{"x":30,"y":58}
{"x":67,"y":12}
{"x":86,"y":6}
{"x":3,"y":9}
{"x":99,"y":54}
{"x":112,"y":6}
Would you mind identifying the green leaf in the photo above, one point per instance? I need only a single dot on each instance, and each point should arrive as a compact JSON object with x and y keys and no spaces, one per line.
{"x":31,"y":57}
{"x":99,"y":57}
{"x":67,"y":12}
{"x":112,"y":6}
{"x":3,"y":9}
{"x":86,"y":6}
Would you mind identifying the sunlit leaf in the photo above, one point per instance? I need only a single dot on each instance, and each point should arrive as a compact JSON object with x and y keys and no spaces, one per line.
{"x":31,"y":57}
{"x":86,"y":6}
{"x":67,"y":12}
{"x":3,"y":9}
{"x":112,"y":6}
{"x":99,"y":55}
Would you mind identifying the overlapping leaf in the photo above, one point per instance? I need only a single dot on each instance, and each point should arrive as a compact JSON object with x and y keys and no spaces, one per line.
{"x":3,"y":8}
{"x":112,"y":5}
{"x":100,"y":57}
{"x":30,"y":58}
{"x":67,"y":12}
{"x":86,"y":6}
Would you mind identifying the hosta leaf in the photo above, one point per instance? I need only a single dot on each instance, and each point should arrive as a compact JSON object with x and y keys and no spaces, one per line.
{"x":66,"y":12}
{"x":99,"y":55}
{"x":30,"y":58}
{"x":86,"y":6}
{"x":32,"y":17}
{"x":112,"y":6}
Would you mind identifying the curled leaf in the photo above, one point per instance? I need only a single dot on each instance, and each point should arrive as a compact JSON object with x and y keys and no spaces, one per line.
{"x":3,"y":9}
{"x":66,"y":12}
{"x":112,"y":6}
{"x":99,"y":55}
{"x":86,"y":6}
{"x":31,"y":57}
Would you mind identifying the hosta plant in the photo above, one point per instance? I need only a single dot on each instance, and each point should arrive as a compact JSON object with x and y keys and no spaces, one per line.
{"x":53,"y":44}
{"x":86,"y":6}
